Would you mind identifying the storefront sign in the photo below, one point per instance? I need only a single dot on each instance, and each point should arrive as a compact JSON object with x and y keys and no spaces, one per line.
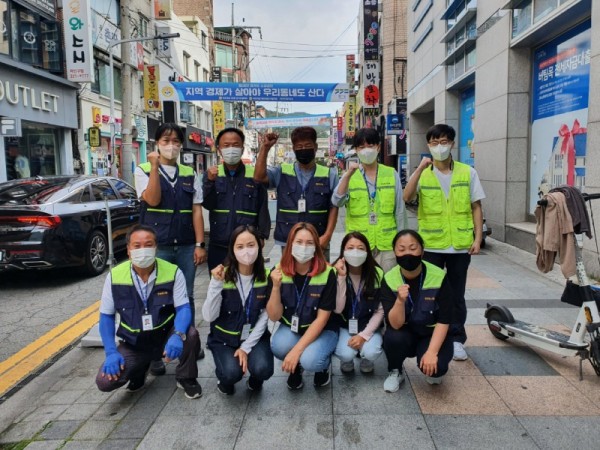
{"x":104,"y":32}
{"x":162,"y":9}
{"x":10,"y":126}
{"x":45,"y":6}
{"x":137,"y":55}
{"x":283,"y":92}
{"x":350,"y":62}
{"x":77,"y":23}
{"x":151,"y":80}
{"x":350,"y":117}
{"x":371,"y":30}
{"x":216,"y":74}
{"x":466,"y":127}
{"x":195,"y":140}
{"x":371,"y":84}
{"x":218,"y":113}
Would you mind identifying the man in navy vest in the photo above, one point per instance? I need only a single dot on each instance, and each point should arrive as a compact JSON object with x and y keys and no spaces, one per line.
{"x":155,"y":318}
{"x":304,"y":189}
{"x":232,"y":196}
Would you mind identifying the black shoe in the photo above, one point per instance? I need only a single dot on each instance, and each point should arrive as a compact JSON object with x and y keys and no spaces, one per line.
{"x":254,"y":384}
{"x":322,"y":378}
{"x":226,"y":389}
{"x":191,"y":387}
{"x":157,"y":368}
{"x":294,"y":381}
{"x":135,"y":384}
{"x":200,"y":355}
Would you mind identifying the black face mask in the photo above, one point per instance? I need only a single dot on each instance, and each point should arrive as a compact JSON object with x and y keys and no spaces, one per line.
{"x":409,"y":262}
{"x":305,"y":156}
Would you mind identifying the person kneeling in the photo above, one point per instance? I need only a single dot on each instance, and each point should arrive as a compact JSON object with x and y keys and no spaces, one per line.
{"x":302,"y":299}
{"x":418,"y":305}
{"x":235,"y":307}
{"x":150,"y":296}
{"x":358,"y":305}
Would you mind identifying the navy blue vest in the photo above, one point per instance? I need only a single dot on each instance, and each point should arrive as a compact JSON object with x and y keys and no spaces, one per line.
{"x":172,"y":217}
{"x":227,"y":328}
{"x":318,"y":201}
{"x":130,"y":307}
{"x":366,"y":307}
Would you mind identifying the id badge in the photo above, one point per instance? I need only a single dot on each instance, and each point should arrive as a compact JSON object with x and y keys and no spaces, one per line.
{"x":302,"y":205}
{"x":245,"y":331}
{"x":353,"y":326}
{"x":147,"y":322}
{"x":295,"y":323}
{"x":372,"y":218}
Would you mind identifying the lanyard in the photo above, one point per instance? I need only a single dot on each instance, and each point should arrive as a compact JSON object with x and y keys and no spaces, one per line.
{"x":412,"y":303}
{"x":300,"y":295}
{"x":367,"y":182}
{"x":355,"y":294}
{"x":143,"y":292}
{"x":248,"y":300}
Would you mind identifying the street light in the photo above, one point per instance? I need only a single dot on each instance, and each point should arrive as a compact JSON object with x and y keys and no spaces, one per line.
{"x":112,"y":85}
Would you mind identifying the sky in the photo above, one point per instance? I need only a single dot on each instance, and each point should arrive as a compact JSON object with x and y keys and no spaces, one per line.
{"x":296,"y":28}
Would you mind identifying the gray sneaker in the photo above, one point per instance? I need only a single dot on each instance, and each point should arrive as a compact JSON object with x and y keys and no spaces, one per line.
{"x":366,"y":366}
{"x":347,"y":367}
{"x":433,"y":380}
{"x":459,"y":352}
{"x":393,"y":381}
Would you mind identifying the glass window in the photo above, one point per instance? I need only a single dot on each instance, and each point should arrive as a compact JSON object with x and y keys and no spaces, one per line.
{"x":25,"y":37}
{"x":543,"y":7}
{"x":51,"y":46}
{"x":4,"y":27}
{"x":186,"y":64}
{"x":108,"y":8}
{"x":521,"y":20}
{"x":102,"y":187}
{"x":125,"y":190}
{"x":204,"y":39}
{"x":471,"y":58}
{"x":223,"y":56}
{"x":205,"y":75}
{"x":101,"y":84}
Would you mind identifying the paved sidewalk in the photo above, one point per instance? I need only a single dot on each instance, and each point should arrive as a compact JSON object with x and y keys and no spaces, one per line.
{"x":505,"y":396}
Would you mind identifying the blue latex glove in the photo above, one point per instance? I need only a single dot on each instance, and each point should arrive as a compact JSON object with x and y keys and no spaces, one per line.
{"x":174,"y":347}
{"x":113,"y":364}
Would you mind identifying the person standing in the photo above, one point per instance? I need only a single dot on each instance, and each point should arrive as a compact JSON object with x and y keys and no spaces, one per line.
{"x":155,"y":318}
{"x":232,"y":197}
{"x":450,"y":218}
{"x":372,"y":194}
{"x":171,"y":196}
{"x":303,"y":189}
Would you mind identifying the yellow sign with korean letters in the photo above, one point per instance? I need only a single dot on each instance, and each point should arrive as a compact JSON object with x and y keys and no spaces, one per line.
{"x":151,"y":92}
{"x":96,"y":115}
{"x":218,"y":112}
{"x":350,"y":116}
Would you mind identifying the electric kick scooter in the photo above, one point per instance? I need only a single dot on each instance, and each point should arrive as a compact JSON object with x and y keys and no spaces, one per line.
{"x":584,"y":340}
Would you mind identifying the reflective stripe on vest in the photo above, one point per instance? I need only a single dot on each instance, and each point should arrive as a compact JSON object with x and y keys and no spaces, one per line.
{"x":249,"y":176}
{"x":445,"y":222}
{"x":382,"y":234}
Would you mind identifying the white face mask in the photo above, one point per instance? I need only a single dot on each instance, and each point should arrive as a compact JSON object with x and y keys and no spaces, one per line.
{"x":170,"y":152}
{"x":246,"y":255}
{"x":355,"y":257}
{"x":367,"y":155}
{"x":143,"y":257}
{"x":440,"y":152}
{"x":232,"y":155}
{"x":303,"y":253}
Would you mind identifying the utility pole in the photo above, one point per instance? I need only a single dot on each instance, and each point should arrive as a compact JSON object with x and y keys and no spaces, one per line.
{"x":126,"y":148}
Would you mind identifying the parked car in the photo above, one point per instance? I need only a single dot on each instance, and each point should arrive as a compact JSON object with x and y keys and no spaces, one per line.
{"x":61,"y":221}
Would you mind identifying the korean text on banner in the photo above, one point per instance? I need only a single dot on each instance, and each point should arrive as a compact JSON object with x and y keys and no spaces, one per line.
{"x":77,"y":23}
{"x":218,"y":112}
{"x":350,"y":117}
{"x":151,"y":80}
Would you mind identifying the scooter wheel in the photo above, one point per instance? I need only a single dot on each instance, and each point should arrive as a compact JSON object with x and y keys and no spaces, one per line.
{"x":497,"y":316}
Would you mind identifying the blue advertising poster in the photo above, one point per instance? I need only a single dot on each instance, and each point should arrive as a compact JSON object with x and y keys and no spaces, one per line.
{"x":466,"y":132}
{"x":395,"y":124}
{"x":261,"y":92}
{"x":559,"y":112}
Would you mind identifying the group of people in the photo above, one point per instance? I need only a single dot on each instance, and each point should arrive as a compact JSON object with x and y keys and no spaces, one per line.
{"x":391,"y":289}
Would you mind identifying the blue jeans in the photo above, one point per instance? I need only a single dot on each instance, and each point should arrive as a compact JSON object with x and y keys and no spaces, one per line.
{"x":183,"y":257}
{"x":315,"y":358}
{"x":228,"y":369}
{"x":370,"y":350}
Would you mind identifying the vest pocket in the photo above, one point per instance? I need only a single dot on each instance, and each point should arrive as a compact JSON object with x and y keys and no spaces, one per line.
{"x":461,"y":199}
{"x":357,"y":206}
{"x":387,"y":200}
{"x":462,"y":233}
{"x":248,"y":202}
{"x":431,"y":200}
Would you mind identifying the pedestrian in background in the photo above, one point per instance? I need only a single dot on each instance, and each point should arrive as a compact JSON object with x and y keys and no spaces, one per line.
{"x":358,"y":305}
{"x":171,"y":196}
{"x":155,"y":319}
{"x":235,"y":307}
{"x":372,"y":194}
{"x":418,"y":303}
{"x":232,"y":197}
{"x":450,"y":218}
{"x":302,"y":300}
{"x":303,"y":189}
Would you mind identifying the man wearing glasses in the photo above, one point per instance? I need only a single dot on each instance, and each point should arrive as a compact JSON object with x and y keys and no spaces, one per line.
{"x":450,"y":218}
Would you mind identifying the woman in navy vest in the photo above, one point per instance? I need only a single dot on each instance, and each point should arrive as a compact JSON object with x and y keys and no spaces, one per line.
{"x":302,"y":299}
{"x":419,"y":306}
{"x":358,"y":306}
{"x":235,"y":307}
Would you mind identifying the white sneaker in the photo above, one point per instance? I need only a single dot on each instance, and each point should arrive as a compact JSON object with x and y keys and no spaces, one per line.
{"x":434,"y":380}
{"x":393,"y":381}
{"x":459,"y":352}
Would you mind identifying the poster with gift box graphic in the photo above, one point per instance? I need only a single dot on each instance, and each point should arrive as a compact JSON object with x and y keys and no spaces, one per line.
{"x":559,"y":113}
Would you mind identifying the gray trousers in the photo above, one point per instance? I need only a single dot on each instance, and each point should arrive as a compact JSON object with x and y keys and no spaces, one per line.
{"x":137,"y":362}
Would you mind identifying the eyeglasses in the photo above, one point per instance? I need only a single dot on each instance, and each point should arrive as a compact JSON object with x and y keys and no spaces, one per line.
{"x":433,"y":143}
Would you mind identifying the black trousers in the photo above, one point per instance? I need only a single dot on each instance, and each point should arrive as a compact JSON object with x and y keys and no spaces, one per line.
{"x":456,"y":265}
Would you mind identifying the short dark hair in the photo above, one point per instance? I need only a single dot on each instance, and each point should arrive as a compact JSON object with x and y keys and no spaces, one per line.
{"x":303,"y":133}
{"x":366,"y":136}
{"x":140,"y":227}
{"x":237,"y":131}
{"x":168,"y":128}
{"x":439,"y":130}
{"x":408,"y":232}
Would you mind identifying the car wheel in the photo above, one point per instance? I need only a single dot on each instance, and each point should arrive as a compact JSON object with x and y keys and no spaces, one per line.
{"x":96,"y":254}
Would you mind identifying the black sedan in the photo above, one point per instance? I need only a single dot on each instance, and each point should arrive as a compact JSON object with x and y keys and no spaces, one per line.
{"x":61,"y":221}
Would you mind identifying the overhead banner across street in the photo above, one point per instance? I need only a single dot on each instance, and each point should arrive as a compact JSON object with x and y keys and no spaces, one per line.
{"x":262,"y":92}
{"x":282,"y":122}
